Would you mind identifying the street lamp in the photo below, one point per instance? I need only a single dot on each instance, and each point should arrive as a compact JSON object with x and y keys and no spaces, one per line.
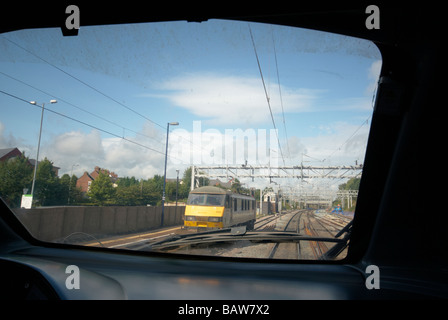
{"x":164,"y":175}
{"x":38,"y":145}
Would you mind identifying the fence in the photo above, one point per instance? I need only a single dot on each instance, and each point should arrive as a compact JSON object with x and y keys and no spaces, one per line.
{"x":56,"y":223}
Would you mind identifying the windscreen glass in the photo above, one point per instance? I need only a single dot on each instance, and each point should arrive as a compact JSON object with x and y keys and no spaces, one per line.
{"x":206,"y":199}
{"x":103,"y":135}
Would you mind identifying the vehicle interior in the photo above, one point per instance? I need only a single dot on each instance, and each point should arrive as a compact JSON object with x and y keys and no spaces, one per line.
{"x":398,"y":226}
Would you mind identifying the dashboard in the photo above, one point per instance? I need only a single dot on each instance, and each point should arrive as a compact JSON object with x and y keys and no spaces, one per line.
{"x":42,"y":273}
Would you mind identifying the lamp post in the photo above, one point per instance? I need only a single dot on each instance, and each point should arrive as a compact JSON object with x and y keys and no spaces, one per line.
{"x":38,"y":145}
{"x":164,"y":175}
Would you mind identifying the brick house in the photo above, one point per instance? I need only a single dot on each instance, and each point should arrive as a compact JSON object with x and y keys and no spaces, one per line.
{"x":11,"y":153}
{"x":86,"y":179}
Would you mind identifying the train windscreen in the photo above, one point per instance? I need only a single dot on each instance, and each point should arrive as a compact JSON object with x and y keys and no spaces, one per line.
{"x":198,"y":199}
{"x":104,"y":135}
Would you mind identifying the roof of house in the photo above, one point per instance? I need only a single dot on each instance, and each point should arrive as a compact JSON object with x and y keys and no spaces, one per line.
{"x":5,"y":152}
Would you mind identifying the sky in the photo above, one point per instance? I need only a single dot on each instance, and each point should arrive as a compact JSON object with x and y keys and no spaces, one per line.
{"x":117,"y":87}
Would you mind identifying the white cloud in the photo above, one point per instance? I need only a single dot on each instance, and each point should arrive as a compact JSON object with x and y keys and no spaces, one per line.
{"x":75,"y":142}
{"x":128,"y":159}
{"x":340,"y":144}
{"x":84,"y":151}
{"x":239,"y":102}
{"x":337,"y":143}
{"x":294,"y":149}
{"x":233,"y":100}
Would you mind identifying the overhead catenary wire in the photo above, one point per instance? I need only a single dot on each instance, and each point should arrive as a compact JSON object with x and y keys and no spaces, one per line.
{"x":88,"y":125}
{"x":361,"y":125}
{"x":266,"y":92}
{"x":80,"y":108}
{"x":351,"y":136}
{"x":96,"y":90}
{"x":281,"y":98}
{"x":84,"y":83}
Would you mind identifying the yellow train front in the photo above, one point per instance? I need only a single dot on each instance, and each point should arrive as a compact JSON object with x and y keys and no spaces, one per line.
{"x":216,"y":208}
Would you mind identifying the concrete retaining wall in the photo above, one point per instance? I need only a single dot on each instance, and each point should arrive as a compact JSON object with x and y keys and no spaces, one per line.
{"x":56,"y":223}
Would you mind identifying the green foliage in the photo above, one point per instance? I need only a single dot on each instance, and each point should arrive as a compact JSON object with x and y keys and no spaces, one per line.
{"x":15,"y":175}
{"x":352,"y":184}
{"x":68,"y":184}
{"x":127,"y":182}
{"x":50,"y":190}
{"x":101,"y":190}
{"x":133,"y":192}
{"x":47,"y":190}
{"x":140,"y":194}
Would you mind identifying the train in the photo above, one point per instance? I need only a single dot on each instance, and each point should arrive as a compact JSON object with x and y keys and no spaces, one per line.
{"x":211,"y":208}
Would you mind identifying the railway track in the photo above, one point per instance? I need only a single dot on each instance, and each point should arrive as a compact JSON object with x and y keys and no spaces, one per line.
{"x":318,"y":248}
{"x":308,"y":223}
{"x":303,"y":222}
{"x":266,"y":223}
{"x":287,"y":250}
{"x":323,"y":225}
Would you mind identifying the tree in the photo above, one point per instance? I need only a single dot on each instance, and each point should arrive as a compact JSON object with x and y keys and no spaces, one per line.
{"x":128,"y":195}
{"x":15,"y":175}
{"x":352,"y":184}
{"x":101,"y":189}
{"x":185,"y":184}
{"x":64,"y":184}
{"x":237,"y":187}
{"x":48,"y":190}
{"x":127,"y":182}
{"x":70,"y":193}
{"x":202,"y":181}
{"x":171,"y":191}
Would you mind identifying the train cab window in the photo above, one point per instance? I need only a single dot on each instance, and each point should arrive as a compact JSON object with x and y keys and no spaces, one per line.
{"x":100,"y":130}
{"x":206,"y":199}
{"x":196,"y":199}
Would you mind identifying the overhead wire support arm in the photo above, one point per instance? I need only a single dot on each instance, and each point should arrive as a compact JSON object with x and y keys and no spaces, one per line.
{"x":259,"y":171}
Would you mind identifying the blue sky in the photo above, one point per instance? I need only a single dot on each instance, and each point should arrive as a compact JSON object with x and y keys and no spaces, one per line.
{"x":183,"y":72}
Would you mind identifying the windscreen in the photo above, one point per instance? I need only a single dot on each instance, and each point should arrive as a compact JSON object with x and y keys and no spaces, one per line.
{"x":104,"y":135}
{"x":197,"y":199}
